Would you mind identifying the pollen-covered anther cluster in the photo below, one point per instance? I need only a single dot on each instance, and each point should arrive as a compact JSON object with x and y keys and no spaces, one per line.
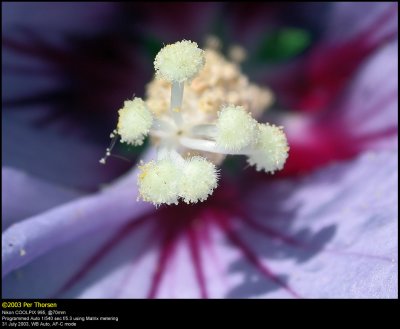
{"x":168,"y":179}
{"x":134,"y":121}
{"x":158,"y":181}
{"x":236,"y":128}
{"x":199,"y":179}
{"x":271,"y":150}
{"x":179,"y":62}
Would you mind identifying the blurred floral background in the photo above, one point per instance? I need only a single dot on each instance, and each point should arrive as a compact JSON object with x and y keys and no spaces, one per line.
{"x":324,"y":227}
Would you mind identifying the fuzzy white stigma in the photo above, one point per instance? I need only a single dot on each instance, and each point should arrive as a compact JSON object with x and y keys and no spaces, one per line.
{"x":134,"y":121}
{"x":235,"y":128}
{"x":271,"y":150}
{"x":179,"y":62}
{"x":171,"y":177}
{"x":199,"y":179}
{"x":158,"y":181}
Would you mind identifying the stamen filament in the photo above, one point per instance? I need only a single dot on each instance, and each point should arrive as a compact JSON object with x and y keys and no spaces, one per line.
{"x":207,"y":130}
{"x":114,"y":137}
{"x":209,"y":146}
{"x":163,"y":153}
{"x":176,"y":102}
{"x":161,"y":126}
{"x":160,"y":134}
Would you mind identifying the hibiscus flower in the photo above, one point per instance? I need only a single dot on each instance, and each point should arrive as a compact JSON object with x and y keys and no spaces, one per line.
{"x":325,"y":228}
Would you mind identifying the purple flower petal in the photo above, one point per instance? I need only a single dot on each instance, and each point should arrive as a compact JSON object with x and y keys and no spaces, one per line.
{"x":152,"y":22}
{"x":41,"y":233}
{"x":54,"y":23}
{"x":57,"y":158}
{"x":58,"y":18}
{"x":316,"y":80}
{"x":369,"y":107}
{"x":25,"y":196}
{"x":347,"y":20}
{"x":364,"y":117}
{"x":341,"y":241}
{"x":331,"y":234}
{"x":67,"y":266}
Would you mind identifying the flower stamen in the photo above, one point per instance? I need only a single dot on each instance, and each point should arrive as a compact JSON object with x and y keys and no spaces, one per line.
{"x":114,"y":137}
{"x":215,"y":118}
